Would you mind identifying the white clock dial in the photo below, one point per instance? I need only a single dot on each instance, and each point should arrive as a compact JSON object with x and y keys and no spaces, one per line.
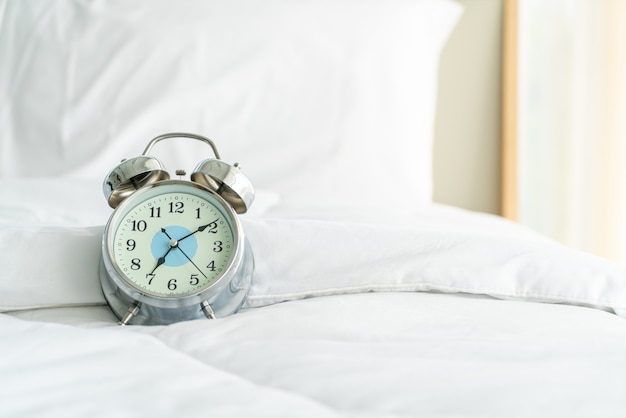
{"x":173,"y":243}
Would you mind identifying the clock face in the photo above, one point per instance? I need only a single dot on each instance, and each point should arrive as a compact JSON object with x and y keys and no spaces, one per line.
{"x":175,"y":240}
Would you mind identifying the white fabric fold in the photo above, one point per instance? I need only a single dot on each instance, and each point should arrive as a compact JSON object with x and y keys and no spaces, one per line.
{"x":440,"y":250}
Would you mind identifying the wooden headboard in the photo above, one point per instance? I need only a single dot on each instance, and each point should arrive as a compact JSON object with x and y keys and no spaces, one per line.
{"x":474,"y":150}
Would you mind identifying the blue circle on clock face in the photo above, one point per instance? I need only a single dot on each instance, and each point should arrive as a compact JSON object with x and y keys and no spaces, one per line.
{"x":161,"y":243}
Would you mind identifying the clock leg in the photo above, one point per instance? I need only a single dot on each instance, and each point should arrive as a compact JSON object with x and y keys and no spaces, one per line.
{"x":206,"y":308}
{"x":132,"y":311}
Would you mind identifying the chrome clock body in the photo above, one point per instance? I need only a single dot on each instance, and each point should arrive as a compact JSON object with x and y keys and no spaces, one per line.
{"x":175,"y":250}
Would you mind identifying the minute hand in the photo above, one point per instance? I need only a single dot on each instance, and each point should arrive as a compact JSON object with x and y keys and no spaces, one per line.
{"x":200,"y":229}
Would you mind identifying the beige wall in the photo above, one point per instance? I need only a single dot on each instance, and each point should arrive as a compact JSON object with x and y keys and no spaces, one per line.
{"x":467,"y":127}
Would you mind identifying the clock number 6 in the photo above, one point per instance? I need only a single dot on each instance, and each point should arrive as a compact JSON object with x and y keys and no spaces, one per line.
{"x":171,"y":285}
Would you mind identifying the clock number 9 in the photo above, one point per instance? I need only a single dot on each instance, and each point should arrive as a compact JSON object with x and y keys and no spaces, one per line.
{"x":130,"y":245}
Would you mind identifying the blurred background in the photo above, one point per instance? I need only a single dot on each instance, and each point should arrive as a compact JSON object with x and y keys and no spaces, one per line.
{"x":572,"y":122}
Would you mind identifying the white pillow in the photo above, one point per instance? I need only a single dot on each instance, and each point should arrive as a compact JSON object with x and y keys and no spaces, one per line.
{"x":320,"y":101}
{"x":441,"y":250}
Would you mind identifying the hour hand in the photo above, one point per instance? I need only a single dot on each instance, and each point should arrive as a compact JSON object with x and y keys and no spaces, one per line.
{"x":165,"y":232}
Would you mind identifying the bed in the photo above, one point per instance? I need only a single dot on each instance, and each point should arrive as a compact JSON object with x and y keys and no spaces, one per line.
{"x":386,"y":283}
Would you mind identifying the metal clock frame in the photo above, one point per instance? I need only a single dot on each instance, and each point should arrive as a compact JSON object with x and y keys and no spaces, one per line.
{"x":125,"y":185}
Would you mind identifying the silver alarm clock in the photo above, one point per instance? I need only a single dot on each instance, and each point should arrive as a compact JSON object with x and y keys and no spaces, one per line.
{"x":175,"y":250}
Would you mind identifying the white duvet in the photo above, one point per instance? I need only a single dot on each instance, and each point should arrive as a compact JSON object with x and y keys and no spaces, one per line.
{"x":436,"y":313}
{"x":363,"y":355}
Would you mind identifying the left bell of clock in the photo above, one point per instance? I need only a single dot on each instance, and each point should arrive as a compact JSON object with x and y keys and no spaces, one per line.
{"x":131,"y":175}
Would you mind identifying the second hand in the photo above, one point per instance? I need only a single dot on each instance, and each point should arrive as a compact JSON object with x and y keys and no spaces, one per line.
{"x":191,"y":261}
{"x":181,"y":250}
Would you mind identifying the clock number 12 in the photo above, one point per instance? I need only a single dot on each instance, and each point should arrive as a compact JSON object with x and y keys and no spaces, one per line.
{"x":176,"y":207}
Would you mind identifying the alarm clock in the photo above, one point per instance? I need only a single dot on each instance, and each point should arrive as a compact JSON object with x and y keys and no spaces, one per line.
{"x":175,"y":250}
